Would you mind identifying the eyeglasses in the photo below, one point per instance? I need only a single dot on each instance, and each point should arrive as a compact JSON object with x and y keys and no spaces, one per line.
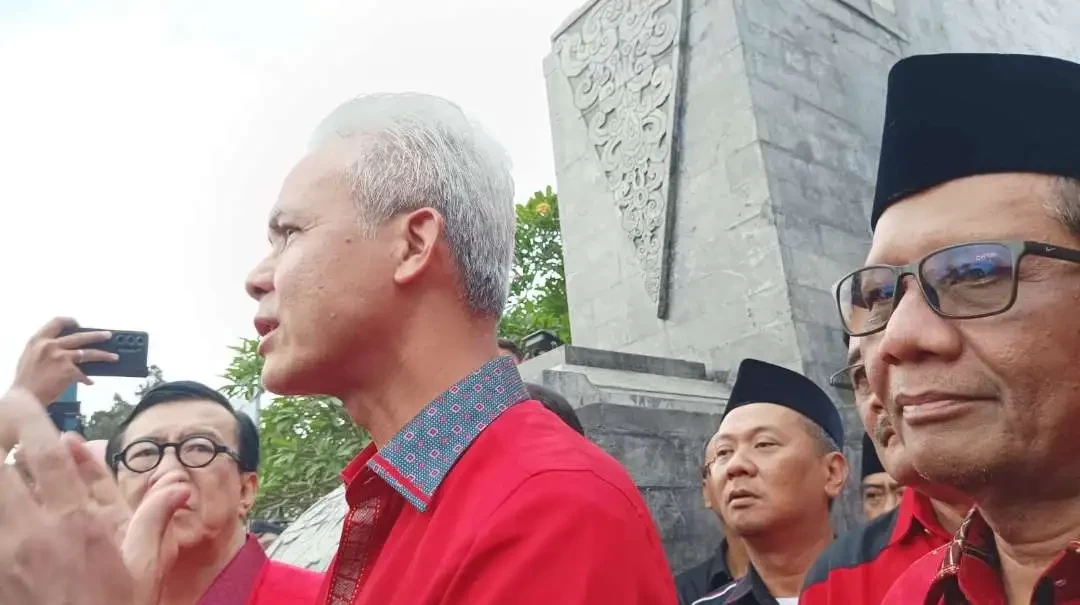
{"x":966,"y":281}
{"x":145,"y":455}
{"x":852,"y":378}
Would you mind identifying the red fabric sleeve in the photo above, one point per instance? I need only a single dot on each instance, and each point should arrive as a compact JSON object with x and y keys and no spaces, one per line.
{"x":566,"y":537}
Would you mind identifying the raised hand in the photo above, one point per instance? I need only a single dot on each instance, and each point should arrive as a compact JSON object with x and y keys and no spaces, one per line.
{"x":58,"y":542}
{"x":49,"y":363}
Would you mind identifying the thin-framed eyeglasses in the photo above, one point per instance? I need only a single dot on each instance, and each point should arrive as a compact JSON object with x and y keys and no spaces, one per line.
{"x":144,"y":455}
{"x":845,"y":378}
{"x":964,"y":281}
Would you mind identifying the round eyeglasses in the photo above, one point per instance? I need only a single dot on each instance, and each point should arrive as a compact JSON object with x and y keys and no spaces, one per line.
{"x":966,"y":281}
{"x":145,"y":455}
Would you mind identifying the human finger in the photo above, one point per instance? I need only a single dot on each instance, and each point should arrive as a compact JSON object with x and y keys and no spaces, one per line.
{"x":48,"y":461}
{"x":79,"y":340}
{"x":16,"y":500}
{"x":100,"y":483}
{"x":79,"y":356}
{"x":145,"y":552}
{"x":54,"y":327}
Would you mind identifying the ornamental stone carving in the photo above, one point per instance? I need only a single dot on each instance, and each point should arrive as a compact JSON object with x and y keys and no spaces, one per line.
{"x":621,"y":58}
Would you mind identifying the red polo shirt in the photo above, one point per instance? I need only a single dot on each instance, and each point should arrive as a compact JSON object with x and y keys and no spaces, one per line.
{"x":860,"y":566}
{"x":966,"y":570}
{"x":485,"y":498}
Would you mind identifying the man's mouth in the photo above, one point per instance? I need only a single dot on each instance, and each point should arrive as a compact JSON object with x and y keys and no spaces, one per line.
{"x":265,"y":325}
{"x":934,"y":406}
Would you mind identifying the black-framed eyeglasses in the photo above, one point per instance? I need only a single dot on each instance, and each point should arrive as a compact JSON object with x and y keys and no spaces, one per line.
{"x":144,"y":455}
{"x":848,"y":378}
{"x":965,"y":281}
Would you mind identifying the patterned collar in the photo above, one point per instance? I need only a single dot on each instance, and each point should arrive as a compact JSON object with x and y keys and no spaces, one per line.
{"x":417,"y":459}
{"x":971,"y":573}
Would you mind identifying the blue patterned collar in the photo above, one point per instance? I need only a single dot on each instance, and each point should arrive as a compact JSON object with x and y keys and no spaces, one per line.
{"x":416,"y":460}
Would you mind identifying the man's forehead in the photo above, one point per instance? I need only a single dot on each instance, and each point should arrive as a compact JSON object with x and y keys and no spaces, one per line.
{"x":976,"y":208}
{"x":321,"y":171}
{"x":177,"y":417}
{"x":756,"y":417}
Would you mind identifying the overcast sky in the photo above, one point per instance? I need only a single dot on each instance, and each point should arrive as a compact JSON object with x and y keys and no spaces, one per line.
{"x":143,"y":142}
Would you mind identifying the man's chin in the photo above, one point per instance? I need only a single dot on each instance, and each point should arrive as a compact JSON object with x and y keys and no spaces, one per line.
{"x":282,"y":378}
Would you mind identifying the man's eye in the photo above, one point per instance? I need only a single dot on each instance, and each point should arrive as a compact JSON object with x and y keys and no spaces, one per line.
{"x":764,"y":444}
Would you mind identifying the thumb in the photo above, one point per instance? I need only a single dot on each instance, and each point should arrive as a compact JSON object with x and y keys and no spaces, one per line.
{"x":147,"y":553}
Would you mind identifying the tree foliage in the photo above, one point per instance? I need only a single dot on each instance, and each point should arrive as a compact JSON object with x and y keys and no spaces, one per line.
{"x":537,"y":298}
{"x":305,"y":442}
{"x":103,"y":424}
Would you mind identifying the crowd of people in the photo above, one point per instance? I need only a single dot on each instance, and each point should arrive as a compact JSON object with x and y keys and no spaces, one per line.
{"x":391,"y":247}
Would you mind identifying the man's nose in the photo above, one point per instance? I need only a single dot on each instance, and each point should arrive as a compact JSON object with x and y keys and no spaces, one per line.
{"x":739,"y":464}
{"x":260,"y":281}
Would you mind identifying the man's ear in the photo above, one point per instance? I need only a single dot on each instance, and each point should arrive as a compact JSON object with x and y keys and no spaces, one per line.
{"x":836,"y":469}
{"x":249,"y":487}
{"x":706,"y":499}
{"x":419,"y":231}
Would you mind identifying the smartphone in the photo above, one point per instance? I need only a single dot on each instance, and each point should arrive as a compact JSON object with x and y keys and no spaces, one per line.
{"x":131,"y":347}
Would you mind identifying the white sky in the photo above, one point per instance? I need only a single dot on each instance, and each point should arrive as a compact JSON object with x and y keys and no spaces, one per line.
{"x":142,"y":143}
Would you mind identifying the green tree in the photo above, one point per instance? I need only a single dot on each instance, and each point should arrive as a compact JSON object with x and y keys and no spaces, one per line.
{"x":304,"y":441}
{"x":103,"y":424}
{"x":537,"y":298}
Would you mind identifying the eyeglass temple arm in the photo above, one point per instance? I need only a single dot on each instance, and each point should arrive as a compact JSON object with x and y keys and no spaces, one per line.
{"x":1040,"y":249}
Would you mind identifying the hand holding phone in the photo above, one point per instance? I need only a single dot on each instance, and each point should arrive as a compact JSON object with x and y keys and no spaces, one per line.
{"x":50,"y":361}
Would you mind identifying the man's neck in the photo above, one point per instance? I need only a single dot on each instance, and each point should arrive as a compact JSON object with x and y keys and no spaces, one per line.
{"x":735,"y":558}
{"x":428,"y":359}
{"x":1029,"y":535}
{"x":196,"y":569}
{"x":950,"y":514}
{"x":783,"y":557}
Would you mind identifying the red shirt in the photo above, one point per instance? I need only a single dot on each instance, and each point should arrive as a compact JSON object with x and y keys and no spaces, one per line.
{"x":966,"y":571}
{"x":485,"y":498}
{"x":861,"y":565}
{"x":254,"y":579}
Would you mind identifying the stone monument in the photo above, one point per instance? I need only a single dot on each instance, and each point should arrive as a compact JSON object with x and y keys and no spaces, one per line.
{"x":715,"y":164}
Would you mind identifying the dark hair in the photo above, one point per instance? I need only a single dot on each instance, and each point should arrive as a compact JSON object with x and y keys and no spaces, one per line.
{"x":556,"y":403}
{"x":509,"y":345}
{"x":247,"y":435}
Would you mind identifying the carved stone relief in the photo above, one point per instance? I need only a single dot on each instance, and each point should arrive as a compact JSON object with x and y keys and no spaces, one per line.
{"x":622,"y":61}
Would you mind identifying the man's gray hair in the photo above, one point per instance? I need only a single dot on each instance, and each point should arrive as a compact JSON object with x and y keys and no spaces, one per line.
{"x":417,"y":150}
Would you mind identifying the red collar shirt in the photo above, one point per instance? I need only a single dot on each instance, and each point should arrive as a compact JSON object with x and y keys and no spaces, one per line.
{"x":486,"y":498}
{"x":252,"y":578}
{"x":860,"y":566}
{"x":966,"y":572}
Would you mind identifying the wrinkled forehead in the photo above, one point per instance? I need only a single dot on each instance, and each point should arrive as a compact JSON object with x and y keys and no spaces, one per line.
{"x":176,"y":420}
{"x":992,"y":207}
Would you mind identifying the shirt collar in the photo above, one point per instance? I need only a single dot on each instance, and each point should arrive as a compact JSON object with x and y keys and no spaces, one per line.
{"x":971,"y":566}
{"x":417,"y":459}
{"x":916,"y":514}
{"x":718,"y":569}
{"x":235,"y":583}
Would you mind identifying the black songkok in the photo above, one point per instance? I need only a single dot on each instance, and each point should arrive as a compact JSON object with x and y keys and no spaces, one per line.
{"x":761,"y":382}
{"x":870,"y":462}
{"x":951,"y":116}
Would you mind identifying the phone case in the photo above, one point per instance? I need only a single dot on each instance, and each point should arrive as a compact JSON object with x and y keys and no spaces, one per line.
{"x":132,"y":347}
